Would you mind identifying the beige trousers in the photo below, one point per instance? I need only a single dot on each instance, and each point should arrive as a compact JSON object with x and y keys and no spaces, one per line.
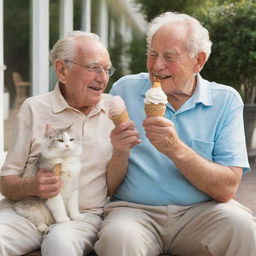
{"x":210,"y":228}
{"x":19,"y":236}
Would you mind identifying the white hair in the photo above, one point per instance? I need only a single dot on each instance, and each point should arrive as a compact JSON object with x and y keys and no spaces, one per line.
{"x":198,"y":40}
{"x":65,"y":48}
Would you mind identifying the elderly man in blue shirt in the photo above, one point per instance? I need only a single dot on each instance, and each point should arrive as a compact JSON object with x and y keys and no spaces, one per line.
{"x":173,"y":192}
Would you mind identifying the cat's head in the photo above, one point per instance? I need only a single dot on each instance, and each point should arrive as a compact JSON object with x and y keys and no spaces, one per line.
{"x":61,"y":140}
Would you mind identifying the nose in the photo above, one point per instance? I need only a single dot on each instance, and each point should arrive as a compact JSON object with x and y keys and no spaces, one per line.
{"x":159,"y":63}
{"x":102,"y":77}
{"x":66,"y":145}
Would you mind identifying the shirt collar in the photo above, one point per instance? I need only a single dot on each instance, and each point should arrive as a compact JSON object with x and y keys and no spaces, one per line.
{"x":201,"y":94}
{"x":59,"y":103}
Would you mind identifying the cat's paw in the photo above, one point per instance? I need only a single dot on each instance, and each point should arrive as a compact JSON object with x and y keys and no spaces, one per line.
{"x":77,"y":216}
{"x":42,"y":227}
{"x":57,"y":161}
{"x":62,"y":219}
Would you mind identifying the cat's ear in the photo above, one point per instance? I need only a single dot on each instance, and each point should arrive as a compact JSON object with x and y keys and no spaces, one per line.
{"x":49,"y":130}
{"x":69,"y":127}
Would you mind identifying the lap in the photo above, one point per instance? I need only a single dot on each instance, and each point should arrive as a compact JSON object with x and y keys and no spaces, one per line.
{"x":198,"y":226}
{"x":17,"y":235}
{"x":72,"y":237}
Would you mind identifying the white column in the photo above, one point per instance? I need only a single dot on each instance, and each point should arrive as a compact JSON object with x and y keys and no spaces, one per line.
{"x":122,"y":25}
{"x":103,"y":22}
{"x":2,"y":67}
{"x":66,"y":17}
{"x":128,"y":34}
{"x":86,"y":15}
{"x":40,"y":44}
{"x":112,"y":31}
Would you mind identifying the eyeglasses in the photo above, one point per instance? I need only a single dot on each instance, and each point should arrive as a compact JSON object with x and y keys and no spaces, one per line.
{"x":95,"y":68}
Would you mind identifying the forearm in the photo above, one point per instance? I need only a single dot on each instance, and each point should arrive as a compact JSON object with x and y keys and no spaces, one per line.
{"x":16,"y":188}
{"x":116,"y":170}
{"x":218,"y":181}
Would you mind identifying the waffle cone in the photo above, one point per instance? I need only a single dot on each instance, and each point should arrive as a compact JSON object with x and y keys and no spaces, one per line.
{"x":154,"y":109}
{"x":123,"y":117}
{"x":156,"y":84}
{"x":57,"y":169}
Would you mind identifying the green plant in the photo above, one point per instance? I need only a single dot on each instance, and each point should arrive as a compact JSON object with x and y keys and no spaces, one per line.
{"x":116,"y":51}
{"x":137,"y":54}
{"x":152,"y":8}
{"x":233,"y":58}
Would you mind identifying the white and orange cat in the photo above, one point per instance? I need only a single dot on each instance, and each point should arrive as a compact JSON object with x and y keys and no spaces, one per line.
{"x":59,"y":146}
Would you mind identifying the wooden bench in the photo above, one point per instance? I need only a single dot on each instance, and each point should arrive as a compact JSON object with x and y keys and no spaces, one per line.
{"x":38,"y":253}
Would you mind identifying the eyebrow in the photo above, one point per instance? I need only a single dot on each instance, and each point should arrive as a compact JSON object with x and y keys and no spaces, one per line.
{"x":165,"y":52}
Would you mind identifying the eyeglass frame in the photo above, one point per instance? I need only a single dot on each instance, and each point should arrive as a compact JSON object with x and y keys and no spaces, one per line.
{"x":97,"y":69}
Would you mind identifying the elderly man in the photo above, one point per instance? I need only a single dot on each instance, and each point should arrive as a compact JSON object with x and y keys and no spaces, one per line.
{"x":83,"y":67}
{"x":176,"y":196}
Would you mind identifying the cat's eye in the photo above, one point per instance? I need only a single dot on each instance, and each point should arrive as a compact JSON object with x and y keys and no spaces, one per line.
{"x":72,"y":139}
{"x":60,"y":140}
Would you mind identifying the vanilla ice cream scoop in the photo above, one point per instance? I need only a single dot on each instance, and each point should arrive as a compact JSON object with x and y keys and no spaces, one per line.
{"x":155,"y":100}
{"x":117,"y":110}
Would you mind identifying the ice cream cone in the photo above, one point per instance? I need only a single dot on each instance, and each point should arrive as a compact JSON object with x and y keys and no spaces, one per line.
{"x":156,"y":84}
{"x":117,"y":110}
{"x":155,"y":100}
{"x":154,"y":109}
{"x":123,"y":117}
{"x":57,"y":169}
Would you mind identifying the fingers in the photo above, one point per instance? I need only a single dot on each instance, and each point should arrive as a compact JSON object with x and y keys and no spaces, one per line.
{"x":161,"y":133}
{"x":125,"y":125}
{"x":125,"y":136}
{"x":47,"y":185}
{"x":158,"y":121}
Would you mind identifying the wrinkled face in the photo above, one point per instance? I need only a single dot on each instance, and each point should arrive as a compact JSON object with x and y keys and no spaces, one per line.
{"x":84,"y":86}
{"x":168,"y":57}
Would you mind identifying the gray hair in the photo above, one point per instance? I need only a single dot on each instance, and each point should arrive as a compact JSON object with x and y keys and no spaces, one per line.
{"x":65,"y":48}
{"x":198,"y":40}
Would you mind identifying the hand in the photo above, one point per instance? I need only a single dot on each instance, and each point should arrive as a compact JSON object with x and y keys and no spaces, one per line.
{"x":124,"y":136}
{"x":161,"y":133}
{"x":45,"y":184}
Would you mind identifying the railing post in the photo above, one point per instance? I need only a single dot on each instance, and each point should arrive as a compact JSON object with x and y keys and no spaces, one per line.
{"x":40,"y":46}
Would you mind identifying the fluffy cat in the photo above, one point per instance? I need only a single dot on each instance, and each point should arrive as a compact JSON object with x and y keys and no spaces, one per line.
{"x":59,"y":146}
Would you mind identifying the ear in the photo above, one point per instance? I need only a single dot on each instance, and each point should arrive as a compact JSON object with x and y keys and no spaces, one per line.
{"x":61,"y":70}
{"x":200,"y":61}
{"x":69,"y":127}
{"x":49,"y":130}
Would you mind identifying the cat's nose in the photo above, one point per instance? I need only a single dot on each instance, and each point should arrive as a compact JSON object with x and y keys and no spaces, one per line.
{"x":66,"y":146}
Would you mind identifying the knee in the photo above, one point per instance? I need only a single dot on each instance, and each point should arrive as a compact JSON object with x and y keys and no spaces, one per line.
{"x":58,"y":237}
{"x":124,"y":231}
{"x":238,"y":219}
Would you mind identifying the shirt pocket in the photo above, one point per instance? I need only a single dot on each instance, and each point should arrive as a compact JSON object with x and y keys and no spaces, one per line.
{"x":203,"y":148}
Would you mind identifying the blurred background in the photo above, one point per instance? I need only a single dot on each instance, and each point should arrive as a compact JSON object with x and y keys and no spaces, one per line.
{"x":31,"y":27}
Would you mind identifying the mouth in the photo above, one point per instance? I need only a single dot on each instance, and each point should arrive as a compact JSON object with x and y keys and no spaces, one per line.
{"x":95,"y":88}
{"x":162,"y":77}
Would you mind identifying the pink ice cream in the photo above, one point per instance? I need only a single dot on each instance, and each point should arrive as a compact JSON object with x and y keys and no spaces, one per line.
{"x":117,"y":110}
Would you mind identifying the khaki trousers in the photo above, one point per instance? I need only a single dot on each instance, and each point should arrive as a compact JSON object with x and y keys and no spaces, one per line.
{"x":19,"y":236}
{"x":210,"y":228}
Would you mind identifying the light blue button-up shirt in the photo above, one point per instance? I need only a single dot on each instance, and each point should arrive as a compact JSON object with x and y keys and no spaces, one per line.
{"x":210,"y":122}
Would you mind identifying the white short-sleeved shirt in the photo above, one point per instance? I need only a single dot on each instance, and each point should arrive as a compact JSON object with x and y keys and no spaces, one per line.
{"x":93,"y":131}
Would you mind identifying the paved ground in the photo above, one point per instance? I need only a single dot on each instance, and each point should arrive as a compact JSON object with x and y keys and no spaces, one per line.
{"x":246,"y":193}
